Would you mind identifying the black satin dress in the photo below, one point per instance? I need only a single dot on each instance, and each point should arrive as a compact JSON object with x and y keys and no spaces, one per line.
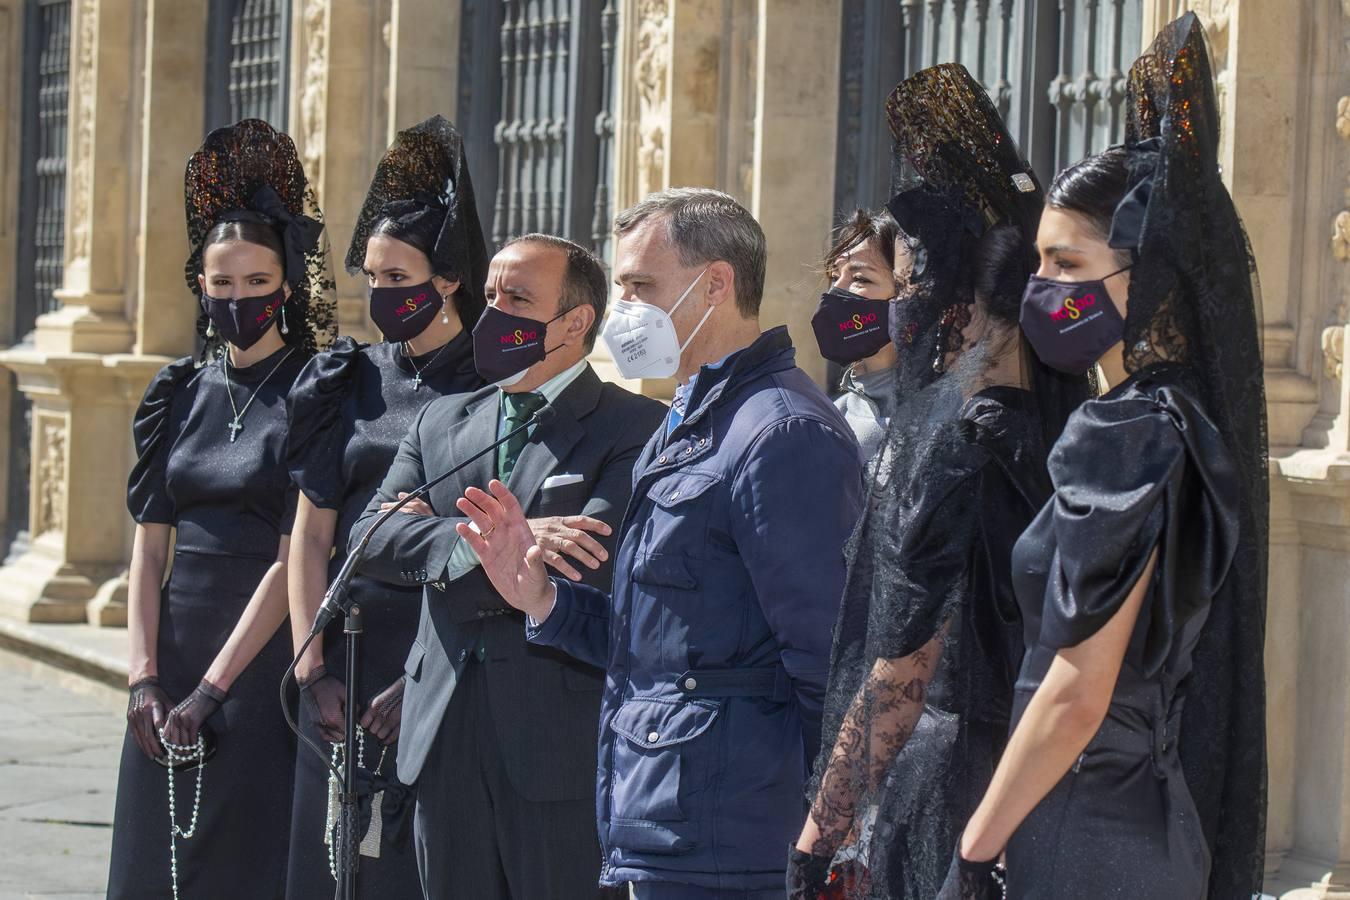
{"x":1142,"y":467}
{"x":349,"y":410}
{"x":976,"y":485}
{"x":230,"y":503}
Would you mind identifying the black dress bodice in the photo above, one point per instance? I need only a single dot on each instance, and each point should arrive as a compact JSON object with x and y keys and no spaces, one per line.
{"x":352,"y":406}
{"x":1141,"y":468}
{"x":231,"y":497}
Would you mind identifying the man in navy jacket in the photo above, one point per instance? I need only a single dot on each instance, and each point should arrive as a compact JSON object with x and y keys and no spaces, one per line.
{"x":727,"y":581}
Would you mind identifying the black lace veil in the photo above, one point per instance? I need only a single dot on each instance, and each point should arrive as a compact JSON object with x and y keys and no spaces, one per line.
{"x":251,"y":171}
{"x":924,"y":656}
{"x":421,"y":193}
{"x":1193,"y":299}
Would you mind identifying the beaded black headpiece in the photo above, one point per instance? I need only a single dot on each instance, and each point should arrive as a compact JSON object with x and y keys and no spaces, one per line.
{"x":251,"y":172}
{"x":422,"y":186}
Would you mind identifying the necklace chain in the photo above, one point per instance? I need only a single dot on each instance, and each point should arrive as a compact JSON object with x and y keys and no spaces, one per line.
{"x":417,"y":372}
{"x":182,"y":753}
{"x":236,"y":424}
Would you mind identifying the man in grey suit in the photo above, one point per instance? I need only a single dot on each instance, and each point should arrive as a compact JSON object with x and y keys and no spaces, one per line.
{"x":497,"y":733}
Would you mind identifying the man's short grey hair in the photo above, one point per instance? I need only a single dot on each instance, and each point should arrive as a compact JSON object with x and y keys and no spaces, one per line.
{"x":706,"y":226}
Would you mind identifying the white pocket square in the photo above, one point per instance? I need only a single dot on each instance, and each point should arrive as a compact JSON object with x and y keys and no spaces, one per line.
{"x":554,"y":481}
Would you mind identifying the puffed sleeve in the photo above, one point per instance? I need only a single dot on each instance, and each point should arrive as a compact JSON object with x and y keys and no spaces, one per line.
{"x":1131,"y":474}
{"x":920,"y":575}
{"x":316,"y":428}
{"x":147,"y":497}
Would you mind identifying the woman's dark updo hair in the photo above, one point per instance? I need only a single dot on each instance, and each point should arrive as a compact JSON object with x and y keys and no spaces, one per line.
{"x":250,"y":232}
{"x":1092,"y":188}
{"x":420,"y":233}
{"x":875,"y":226}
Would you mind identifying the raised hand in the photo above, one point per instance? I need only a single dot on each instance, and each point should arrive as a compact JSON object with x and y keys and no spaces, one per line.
{"x":506,"y":548}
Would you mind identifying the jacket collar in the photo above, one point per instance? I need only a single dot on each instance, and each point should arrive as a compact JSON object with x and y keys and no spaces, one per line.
{"x":770,"y":353}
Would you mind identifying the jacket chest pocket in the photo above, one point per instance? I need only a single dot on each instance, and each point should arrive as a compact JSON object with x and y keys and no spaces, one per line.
{"x":663,"y":764}
{"x":681,"y":513}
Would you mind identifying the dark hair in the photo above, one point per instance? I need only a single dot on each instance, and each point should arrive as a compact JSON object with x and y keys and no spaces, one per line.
{"x":250,"y":232}
{"x":584,"y":280}
{"x":421,"y":233}
{"x":708,"y":226}
{"x":874,"y":226}
{"x":1092,"y":188}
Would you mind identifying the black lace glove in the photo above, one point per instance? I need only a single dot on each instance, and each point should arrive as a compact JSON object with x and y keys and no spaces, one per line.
{"x":807,"y":875}
{"x":384,"y":715}
{"x":147,"y":708}
{"x":187,"y":718}
{"x":326,"y":698}
{"x":968,"y":880}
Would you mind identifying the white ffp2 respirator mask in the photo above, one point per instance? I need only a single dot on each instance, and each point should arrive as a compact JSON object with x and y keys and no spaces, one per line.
{"x":641,"y":337}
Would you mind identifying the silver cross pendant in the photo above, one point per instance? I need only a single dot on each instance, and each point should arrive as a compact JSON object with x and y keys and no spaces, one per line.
{"x":235,"y":428}
{"x":417,"y":381}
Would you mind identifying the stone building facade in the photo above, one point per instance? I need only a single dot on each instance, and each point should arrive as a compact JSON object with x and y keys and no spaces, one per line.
{"x":574,"y":108}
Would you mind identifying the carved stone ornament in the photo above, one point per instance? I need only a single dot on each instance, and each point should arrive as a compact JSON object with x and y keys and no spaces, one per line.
{"x":651,"y":73}
{"x":1333,"y":351}
{"x":82,"y":152}
{"x":314,"y":91}
{"x":1340,"y":236}
{"x":51,"y":489}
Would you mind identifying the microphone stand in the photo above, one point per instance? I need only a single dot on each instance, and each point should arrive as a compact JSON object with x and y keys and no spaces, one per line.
{"x":347,"y":843}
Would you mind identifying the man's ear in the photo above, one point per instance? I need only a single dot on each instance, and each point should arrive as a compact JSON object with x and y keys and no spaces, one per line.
{"x":579,"y":322}
{"x":721,"y":280}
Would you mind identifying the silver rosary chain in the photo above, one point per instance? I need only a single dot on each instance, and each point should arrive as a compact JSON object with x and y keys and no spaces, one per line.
{"x":332,"y":810}
{"x":182,"y":753}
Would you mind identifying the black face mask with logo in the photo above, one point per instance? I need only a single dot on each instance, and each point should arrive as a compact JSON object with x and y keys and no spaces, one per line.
{"x":1070,"y":324}
{"x":849,"y":327}
{"x":244,"y":320}
{"x":404,"y":311}
{"x":506,"y":345}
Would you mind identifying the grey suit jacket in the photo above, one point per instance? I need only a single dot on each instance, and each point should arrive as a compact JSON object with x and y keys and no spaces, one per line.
{"x":545,"y":705}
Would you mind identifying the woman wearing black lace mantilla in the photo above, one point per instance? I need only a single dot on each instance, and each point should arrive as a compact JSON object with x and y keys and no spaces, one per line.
{"x":928,"y":640}
{"x":207,"y":648}
{"x":419,"y":246}
{"x":1137,"y":764}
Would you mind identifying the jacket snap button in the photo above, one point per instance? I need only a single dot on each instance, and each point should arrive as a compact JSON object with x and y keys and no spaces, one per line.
{"x":690,"y":684}
{"x":653,"y":737}
{"x":661,"y":460}
{"x":675,"y":496}
{"x":688,"y":450}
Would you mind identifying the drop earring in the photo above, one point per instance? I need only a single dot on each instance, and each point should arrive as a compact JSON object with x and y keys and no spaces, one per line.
{"x":445,"y":311}
{"x":284,"y":329}
{"x":210,"y":328}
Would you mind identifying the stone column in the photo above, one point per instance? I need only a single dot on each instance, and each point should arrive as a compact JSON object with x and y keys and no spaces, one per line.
{"x":423,"y":62}
{"x":686,"y":114}
{"x":81,"y":414}
{"x":11,"y":81}
{"x":341,"y":111}
{"x":794,"y":158}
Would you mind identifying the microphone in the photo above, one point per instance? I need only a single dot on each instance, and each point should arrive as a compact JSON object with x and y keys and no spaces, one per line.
{"x":335,"y":601}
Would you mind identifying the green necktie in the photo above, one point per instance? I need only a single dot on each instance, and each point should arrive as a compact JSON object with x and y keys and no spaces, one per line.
{"x":519,"y":408}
